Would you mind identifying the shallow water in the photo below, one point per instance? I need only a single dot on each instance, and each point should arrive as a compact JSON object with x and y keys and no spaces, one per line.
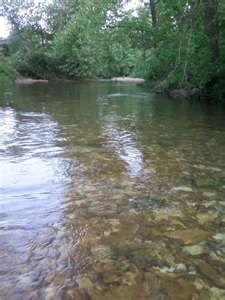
{"x":109,"y":192}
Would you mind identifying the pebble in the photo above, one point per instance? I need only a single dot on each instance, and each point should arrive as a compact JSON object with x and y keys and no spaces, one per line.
{"x":165,"y":270}
{"x":85,"y":283}
{"x":194,"y":250}
{"x":101,"y":252}
{"x":217,"y":294}
{"x":209,"y":194}
{"x":188,"y":236}
{"x":204,"y":218}
{"x":211,"y":274}
{"x":129,"y":278}
{"x":186,"y":189}
{"x":219,"y":236}
{"x":181,"y":267}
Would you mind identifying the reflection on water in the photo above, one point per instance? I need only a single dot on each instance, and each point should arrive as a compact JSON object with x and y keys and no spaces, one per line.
{"x":108,"y":192}
{"x":122,"y":143}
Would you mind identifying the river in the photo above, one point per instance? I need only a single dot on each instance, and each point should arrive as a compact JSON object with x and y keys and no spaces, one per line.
{"x":109,"y":192}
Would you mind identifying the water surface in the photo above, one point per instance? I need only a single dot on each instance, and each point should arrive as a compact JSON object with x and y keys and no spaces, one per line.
{"x":110,"y":192}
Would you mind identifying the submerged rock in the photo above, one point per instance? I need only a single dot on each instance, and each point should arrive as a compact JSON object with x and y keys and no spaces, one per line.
{"x":50,"y":292}
{"x":188,"y":236}
{"x":165,"y":269}
{"x":211,"y":274}
{"x":147,"y":254}
{"x":81,"y":203}
{"x":132,"y":213}
{"x":129,"y":278}
{"x":167,"y":213}
{"x":204,"y":218}
{"x":194,"y":250}
{"x":101,"y":252}
{"x":160,"y":296}
{"x":85,"y":283}
{"x":186,"y":189}
{"x":209,"y":194}
{"x":181,"y":267}
{"x":107,"y":233}
{"x":178,"y":93}
{"x":217,"y":294}
{"x":219,"y":236}
{"x":115,"y":223}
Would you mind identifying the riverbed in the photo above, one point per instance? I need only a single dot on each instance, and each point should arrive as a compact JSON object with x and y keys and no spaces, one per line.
{"x":109,"y":192}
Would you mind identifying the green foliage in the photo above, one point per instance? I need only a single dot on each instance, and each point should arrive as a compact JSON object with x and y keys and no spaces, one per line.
{"x":7,"y":70}
{"x":179,"y":44}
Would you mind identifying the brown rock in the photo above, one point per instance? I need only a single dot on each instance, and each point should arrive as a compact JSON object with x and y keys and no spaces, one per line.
{"x":188,"y":236}
{"x":204,"y":218}
{"x":211,"y":274}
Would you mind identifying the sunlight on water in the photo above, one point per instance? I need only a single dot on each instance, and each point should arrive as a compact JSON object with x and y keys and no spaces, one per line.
{"x":123,"y":144}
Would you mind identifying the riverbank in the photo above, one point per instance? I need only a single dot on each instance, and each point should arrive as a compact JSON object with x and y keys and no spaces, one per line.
{"x":176,"y":93}
{"x":30,"y":80}
{"x":129,"y":79}
{"x":117,"y":79}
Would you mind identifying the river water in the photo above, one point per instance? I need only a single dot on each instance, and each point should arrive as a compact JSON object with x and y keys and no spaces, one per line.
{"x":108,"y":192}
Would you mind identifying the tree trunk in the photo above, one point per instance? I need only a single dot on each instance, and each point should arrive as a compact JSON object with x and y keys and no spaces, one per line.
{"x":211,"y":27}
{"x":153,"y":13}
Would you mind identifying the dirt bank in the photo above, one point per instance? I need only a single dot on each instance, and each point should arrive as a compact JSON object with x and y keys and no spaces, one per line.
{"x":30,"y":81}
{"x":128,"y":79}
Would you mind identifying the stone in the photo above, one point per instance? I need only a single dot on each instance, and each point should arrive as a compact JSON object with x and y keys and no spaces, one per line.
{"x":132,"y":213}
{"x":115,"y":223}
{"x":107,"y":233}
{"x":186,"y":189}
{"x":109,"y":271}
{"x":160,"y":296}
{"x":199,"y":284}
{"x":188,"y":236}
{"x":101,"y":252}
{"x":178,"y":93}
{"x":204,"y":294}
{"x":165,"y":270}
{"x":129,"y":278}
{"x":218,"y":256}
{"x":217,"y":294}
{"x":204,"y":218}
{"x":84,"y":283}
{"x":50,"y":293}
{"x":219,"y":237}
{"x":196,"y":92}
{"x":194,"y":250}
{"x":81,"y":203}
{"x":147,"y":254}
{"x":214,"y":169}
{"x":211,"y":274}
{"x":211,"y":203}
{"x":167,"y":214}
{"x":181,"y":267}
{"x":209,"y":194}
{"x":152,"y":282}
{"x":71,"y":294}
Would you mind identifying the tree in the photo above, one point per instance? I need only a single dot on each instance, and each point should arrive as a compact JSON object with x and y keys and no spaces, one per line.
{"x":211,"y":27}
{"x":153,"y":13}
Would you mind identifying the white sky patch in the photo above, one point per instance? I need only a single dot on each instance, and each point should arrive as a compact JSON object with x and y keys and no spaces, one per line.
{"x":132,"y":4}
{"x":4,"y":28}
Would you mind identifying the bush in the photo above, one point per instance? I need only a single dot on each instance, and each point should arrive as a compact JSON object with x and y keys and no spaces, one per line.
{"x":7,"y":70}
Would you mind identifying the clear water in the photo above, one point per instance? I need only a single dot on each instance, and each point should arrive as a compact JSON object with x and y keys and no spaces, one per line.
{"x":110,"y":192}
